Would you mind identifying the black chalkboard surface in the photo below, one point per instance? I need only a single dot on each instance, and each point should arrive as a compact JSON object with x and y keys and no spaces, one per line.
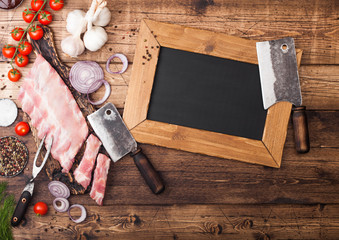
{"x":208,"y":93}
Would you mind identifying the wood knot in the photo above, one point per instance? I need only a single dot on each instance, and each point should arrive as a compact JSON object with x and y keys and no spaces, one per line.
{"x":262,"y":236}
{"x":127,"y":222}
{"x":244,"y":225}
{"x":209,"y":48}
{"x":212,"y":228}
{"x":178,"y":136}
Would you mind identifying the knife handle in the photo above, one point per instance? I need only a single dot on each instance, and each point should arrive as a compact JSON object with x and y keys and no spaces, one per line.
{"x":21,"y":208}
{"x":301,"y":137}
{"x":148,"y":172}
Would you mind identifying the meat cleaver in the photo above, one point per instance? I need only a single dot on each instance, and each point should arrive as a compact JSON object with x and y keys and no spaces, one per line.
{"x":118,"y":141}
{"x":280,"y":82}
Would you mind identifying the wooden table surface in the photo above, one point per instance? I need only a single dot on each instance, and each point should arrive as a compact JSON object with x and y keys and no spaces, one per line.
{"x":206,"y":197}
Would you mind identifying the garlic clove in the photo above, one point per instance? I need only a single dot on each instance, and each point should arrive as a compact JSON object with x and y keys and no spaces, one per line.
{"x":73,"y":46}
{"x":75,"y":20}
{"x":103,"y":18}
{"x":95,"y":38}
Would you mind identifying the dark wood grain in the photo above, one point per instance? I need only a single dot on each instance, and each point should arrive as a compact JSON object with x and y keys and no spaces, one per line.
{"x":45,"y":47}
{"x":208,"y":198}
{"x":289,"y":221}
{"x":193,"y":178}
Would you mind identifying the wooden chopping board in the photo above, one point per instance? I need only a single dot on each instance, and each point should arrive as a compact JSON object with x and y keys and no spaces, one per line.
{"x":45,"y":47}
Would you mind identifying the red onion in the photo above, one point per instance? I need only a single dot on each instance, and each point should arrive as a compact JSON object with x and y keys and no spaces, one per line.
{"x":104,"y":98}
{"x":85,"y":75}
{"x":64,"y":204}
{"x":83,"y":213}
{"x":122,"y":58}
{"x":59,"y":189}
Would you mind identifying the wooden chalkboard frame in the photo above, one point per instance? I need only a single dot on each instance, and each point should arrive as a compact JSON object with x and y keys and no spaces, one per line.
{"x":152,"y":36}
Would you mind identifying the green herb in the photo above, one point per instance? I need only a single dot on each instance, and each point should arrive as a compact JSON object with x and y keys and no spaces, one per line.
{"x":7,"y":204}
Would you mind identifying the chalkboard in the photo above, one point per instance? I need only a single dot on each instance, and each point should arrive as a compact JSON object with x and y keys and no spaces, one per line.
{"x":209,"y":93}
{"x":199,"y":91}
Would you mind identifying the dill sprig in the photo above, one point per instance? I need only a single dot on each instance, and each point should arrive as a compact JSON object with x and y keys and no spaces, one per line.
{"x":7,"y":204}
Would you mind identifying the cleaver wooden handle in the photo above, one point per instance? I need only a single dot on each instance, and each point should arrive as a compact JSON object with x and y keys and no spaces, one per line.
{"x":301,"y":137}
{"x":148,"y":172}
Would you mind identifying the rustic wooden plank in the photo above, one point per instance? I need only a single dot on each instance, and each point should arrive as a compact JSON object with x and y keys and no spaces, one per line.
{"x":142,"y":76}
{"x":188,"y":222}
{"x":193,"y":178}
{"x":205,"y":142}
{"x":313,"y":25}
{"x":319,"y":86}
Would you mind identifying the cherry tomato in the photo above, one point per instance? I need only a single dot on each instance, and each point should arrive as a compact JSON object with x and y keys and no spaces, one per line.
{"x":56,"y":4}
{"x":17,"y":33}
{"x":45,"y":17}
{"x":21,"y":60}
{"x":36,"y":32}
{"x":28,"y":15}
{"x":37,"y":4}
{"x":8,"y":51}
{"x":25,"y":48}
{"x":22,"y":128}
{"x":40,"y":208}
{"x":14,"y":75}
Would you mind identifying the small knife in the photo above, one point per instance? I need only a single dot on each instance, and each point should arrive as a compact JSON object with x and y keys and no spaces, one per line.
{"x":118,"y":141}
{"x":280,"y":82}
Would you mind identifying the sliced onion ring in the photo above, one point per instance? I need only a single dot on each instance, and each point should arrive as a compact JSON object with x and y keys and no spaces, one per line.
{"x":59,"y":189}
{"x":122,"y":58}
{"x":64,"y":204}
{"x":83,"y":213}
{"x":85,"y":74}
{"x":104,"y":98}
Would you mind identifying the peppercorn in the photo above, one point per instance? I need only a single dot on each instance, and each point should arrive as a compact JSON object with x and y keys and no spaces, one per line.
{"x":13,"y":156}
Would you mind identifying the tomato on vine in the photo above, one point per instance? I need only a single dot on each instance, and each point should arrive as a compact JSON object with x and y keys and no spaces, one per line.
{"x":56,"y":5}
{"x":17,"y":33}
{"x":36,"y":32}
{"x":8,"y":51}
{"x":25,"y":48}
{"x":14,"y":75}
{"x":28,"y":15}
{"x":45,"y":17}
{"x":21,"y":60}
{"x":37,"y":4}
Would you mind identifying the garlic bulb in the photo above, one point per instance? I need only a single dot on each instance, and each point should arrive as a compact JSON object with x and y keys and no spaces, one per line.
{"x":95,"y":38}
{"x":75,"y":20}
{"x":73,"y":45}
{"x":103,"y":18}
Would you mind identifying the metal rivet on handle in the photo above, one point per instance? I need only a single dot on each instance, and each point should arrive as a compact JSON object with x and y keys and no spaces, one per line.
{"x":15,"y":219}
{"x":23,"y":200}
{"x":284,"y":48}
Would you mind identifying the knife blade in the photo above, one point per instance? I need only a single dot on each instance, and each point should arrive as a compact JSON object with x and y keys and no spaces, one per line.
{"x":280,"y":82}
{"x":118,"y":141}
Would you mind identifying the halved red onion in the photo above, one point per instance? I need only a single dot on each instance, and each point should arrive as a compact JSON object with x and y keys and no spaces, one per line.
{"x":85,"y":74}
{"x":59,"y":189}
{"x":64,"y":204}
{"x":104,"y":98}
{"x":83,"y":213}
{"x":122,"y":58}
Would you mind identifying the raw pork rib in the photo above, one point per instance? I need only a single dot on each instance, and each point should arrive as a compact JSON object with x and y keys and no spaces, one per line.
{"x":83,"y":173}
{"x":100,"y":177}
{"x":53,"y":111}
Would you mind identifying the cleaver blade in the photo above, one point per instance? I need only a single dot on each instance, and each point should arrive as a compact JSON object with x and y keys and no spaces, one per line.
{"x":279,"y":72}
{"x":118,"y":141}
{"x":112,"y":131}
